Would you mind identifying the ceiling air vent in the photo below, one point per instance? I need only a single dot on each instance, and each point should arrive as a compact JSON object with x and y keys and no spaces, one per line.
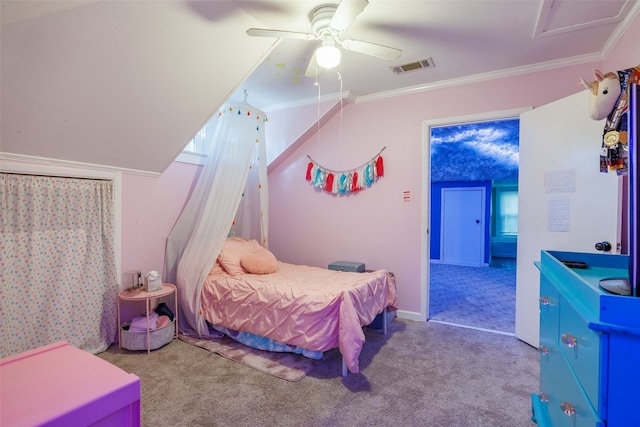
{"x":412,"y":66}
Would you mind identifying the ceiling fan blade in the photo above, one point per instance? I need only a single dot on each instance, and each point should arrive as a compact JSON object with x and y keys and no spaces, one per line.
{"x":346,"y":13}
{"x":372,"y":49}
{"x":313,"y":69}
{"x":281,"y":34}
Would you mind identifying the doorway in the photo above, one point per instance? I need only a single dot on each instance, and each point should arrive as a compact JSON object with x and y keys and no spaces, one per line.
{"x":467,"y":285}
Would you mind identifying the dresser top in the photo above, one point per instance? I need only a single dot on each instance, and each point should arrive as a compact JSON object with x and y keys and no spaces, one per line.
{"x":581,"y":286}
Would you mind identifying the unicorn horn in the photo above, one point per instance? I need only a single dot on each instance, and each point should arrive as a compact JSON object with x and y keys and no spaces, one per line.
{"x":584,"y":83}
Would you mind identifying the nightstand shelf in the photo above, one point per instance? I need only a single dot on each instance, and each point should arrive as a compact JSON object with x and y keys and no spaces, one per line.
{"x":167,"y":290}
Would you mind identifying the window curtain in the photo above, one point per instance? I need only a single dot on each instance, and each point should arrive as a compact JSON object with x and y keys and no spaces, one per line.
{"x":235,"y":172}
{"x":58,"y":270}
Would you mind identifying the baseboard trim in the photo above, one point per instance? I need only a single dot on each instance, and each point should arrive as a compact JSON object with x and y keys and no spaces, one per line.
{"x":510,"y":334}
{"x":411,"y":315}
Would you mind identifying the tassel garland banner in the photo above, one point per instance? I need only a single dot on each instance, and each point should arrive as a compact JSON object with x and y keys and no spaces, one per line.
{"x":240,"y":112}
{"x":346,"y":181}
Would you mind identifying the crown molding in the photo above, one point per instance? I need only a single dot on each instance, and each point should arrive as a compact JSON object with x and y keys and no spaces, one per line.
{"x":494,"y":75}
{"x":20,"y":163}
{"x":347,"y":96}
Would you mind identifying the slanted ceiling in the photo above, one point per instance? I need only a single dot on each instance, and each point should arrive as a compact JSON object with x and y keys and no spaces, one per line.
{"x":124,"y":84}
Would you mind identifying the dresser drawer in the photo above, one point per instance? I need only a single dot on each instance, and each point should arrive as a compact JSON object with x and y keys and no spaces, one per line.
{"x":589,"y":344}
{"x":567,"y":403}
{"x":549,"y":303}
{"x":550,"y":371}
{"x":581,"y":347}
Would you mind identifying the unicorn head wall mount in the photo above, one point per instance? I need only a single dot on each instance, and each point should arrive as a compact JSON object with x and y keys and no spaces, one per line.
{"x":609,"y":99}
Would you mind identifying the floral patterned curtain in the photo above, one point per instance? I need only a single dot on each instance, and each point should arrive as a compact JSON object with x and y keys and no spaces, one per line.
{"x":57,"y":274}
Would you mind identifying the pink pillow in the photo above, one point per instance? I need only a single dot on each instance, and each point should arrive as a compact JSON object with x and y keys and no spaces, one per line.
{"x":216,"y":269}
{"x":262,"y":262}
{"x":233,"y":250}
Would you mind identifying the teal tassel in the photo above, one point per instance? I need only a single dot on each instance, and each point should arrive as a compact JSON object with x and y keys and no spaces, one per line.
{"x":341,"y":185}
{"x":318,"y":177}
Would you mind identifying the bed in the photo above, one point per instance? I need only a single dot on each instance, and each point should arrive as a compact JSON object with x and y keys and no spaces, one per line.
{"x":308,"y":308}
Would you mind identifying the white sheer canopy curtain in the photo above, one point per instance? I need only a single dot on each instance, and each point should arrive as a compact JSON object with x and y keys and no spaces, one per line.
{"x":58,"y":273}
{"x":238,"y":148}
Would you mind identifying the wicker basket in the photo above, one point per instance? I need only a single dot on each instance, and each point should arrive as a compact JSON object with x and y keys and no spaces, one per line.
{"x":137,"y":340}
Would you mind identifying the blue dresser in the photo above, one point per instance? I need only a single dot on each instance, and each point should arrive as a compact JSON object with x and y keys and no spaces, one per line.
{"x":589,"y":345}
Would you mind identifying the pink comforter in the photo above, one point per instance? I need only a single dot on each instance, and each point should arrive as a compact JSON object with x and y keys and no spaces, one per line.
{"x":310,"y":307}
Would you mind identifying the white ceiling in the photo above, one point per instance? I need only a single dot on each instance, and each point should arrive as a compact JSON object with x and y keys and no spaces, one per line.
{"x":464,"y":39}
{"x":118,"y":83}
{"x":128,"y":83}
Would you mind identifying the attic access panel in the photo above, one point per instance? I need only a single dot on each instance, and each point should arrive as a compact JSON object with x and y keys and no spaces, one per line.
{"x":562,"y":16}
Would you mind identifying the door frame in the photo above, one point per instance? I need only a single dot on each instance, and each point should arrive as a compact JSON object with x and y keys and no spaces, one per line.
{"x":426,"y":188}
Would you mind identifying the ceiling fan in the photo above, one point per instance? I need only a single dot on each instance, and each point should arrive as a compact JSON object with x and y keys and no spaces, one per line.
{"x":328,"y":22}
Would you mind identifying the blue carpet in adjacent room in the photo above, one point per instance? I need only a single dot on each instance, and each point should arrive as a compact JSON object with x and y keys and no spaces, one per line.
{"x":478,"y":297}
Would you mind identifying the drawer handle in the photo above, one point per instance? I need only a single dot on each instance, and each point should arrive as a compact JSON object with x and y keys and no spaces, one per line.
{"x":544,"y":300}
{"x":569,"y":340}
{"x":544,"y":352}
{"x":568,"y":409}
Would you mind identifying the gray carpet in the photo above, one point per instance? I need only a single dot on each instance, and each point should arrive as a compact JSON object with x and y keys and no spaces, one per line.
{"x":481,"y":297}
{"x":420,"y":374}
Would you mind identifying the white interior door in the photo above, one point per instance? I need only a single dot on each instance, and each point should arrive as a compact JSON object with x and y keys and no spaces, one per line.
{"x":565,"y":202}
{"x":462,"y":219}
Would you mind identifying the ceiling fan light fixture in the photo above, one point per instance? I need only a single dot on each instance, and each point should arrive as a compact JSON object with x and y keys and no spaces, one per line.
{"x":328,"y":55}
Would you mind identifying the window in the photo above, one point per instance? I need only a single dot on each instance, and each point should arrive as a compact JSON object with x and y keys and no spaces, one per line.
{"x":197,"y":143}
{"x":196,"y":150}
{"x":506,"y":212}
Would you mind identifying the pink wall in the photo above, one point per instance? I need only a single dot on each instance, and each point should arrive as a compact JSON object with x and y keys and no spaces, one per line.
{"x":150,"y":207}
{"x":375,"y":226}
{"x":626,"y":53}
